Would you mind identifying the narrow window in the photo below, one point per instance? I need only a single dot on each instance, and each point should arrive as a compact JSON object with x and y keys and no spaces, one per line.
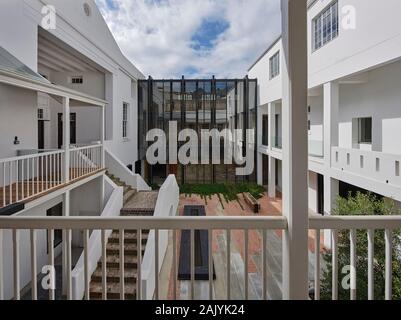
{"x":397,"y":168}
{"x":348,"y":159}
{"x":377,"y":164}
{"x":275,"y":65}
{"x":325,"y":26}
{"x":265,"y":129}
{"x":125,"y":120}
{"x":365,"y":130}
{"x":361,"y":161}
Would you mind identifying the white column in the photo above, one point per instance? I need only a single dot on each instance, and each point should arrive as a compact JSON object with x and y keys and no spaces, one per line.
{"x":66,"y":213}
{"x":331,"y":191}
{"x":66,"y":139}
{"x":330,"y":125}
{"x":260,"y":168}
{"x":272,"y":124}
{"x":272,"y":177}
{"x":102,"y":133}
{"x":295,"y":149}
{"x":330,"y":119}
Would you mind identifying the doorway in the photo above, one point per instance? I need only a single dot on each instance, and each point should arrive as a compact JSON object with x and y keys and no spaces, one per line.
{"x":320,"y":194}
{"x":73,"y":129}
{"x":41,"y":134}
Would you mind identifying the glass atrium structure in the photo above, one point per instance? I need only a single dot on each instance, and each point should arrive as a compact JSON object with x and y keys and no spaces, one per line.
{"x":197,"y":104}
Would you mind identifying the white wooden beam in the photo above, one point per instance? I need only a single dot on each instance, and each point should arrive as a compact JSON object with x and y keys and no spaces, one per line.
{"x":295,"y":149}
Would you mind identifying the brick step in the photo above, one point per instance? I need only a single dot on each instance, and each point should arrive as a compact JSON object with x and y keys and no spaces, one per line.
{"x":129,"y":237}
{"x":137,"y":212}
{"x":113,"y":290}
{"x":113,"y":261}
{"x":129,"y":248}
{"x":113,"y":275}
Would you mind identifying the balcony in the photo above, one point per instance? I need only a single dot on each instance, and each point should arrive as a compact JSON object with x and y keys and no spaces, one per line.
{"x":378,"y":166}
{"x":316,"y":148}
{"x":229,"y":227}
{"x":26,"y":178}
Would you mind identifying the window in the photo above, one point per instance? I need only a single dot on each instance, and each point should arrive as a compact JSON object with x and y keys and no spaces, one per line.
{"x":265,"y":130}
{"x":77,"y":80}
{"x":309,"y":117}
{"x":365,"y":130}
{"x":125,"y":120}
{"x":275,"y":65}
{"x":325,"y":26}
{"x":41,"y":114}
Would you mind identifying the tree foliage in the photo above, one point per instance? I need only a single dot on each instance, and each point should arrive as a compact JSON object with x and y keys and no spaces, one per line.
{"x":363,"y":204}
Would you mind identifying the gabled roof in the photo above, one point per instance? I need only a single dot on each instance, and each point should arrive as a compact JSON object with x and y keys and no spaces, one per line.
{"x":11,"y":64}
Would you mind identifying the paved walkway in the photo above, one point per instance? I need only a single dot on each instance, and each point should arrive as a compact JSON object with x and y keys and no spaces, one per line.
{"x":213,"y":206}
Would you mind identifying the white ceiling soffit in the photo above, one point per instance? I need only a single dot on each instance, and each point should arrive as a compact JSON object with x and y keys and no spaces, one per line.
{"x":56,"y":56}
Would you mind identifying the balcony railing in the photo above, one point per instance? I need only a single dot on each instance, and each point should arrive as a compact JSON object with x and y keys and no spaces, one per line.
{"x":26,"y":177}
{"x":378,"y":166}
{"x":316,"y":148}
{"x":19,"y":226}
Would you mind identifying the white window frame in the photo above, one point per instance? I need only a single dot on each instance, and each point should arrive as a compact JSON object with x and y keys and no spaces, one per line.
{"x":328,"y":18}
{"x":74,"y":78}
{"x":125,"y":120}
{"x":274,"y":65}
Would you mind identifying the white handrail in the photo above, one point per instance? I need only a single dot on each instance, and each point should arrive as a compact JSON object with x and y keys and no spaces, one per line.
{"x":166,"y":206}
{"x":118,"y":169}
{"x":30,"y":156}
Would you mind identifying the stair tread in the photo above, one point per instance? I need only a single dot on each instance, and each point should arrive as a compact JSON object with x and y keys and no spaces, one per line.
{"x":115,"y":273}
{"x":127,"y":246}
{"x":127,"y":235}
{"x":113,"y":287}
{"x":115,"y":258}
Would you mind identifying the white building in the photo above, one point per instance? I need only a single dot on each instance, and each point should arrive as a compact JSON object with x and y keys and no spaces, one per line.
{"x":75,"y":73}
{"x":354,"y":119}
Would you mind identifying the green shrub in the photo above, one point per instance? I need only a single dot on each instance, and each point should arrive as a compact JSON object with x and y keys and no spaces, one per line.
{"x":363,"y":204}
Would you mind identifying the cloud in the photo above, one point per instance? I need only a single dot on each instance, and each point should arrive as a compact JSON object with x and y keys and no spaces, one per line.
{"x":196,"y":38}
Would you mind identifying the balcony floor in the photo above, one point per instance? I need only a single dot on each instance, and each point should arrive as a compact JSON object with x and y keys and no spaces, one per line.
{"x":36,"y":188}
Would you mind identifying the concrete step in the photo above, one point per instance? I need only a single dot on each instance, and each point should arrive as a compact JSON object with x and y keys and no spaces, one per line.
{"x":128,"y":195}
{"x":113,"y":275}
{"x":113,"y":290}
{"x":113,"y":261}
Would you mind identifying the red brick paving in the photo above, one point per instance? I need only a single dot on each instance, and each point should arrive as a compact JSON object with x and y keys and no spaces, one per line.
{"x":269,"y":207}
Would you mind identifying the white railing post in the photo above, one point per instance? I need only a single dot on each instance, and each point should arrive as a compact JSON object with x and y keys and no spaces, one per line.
{"x":102,"y":134}
{"x":66,"y":139}
{"x":295,"y":149}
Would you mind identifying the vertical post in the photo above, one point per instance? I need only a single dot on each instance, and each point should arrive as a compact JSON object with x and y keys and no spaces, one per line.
{"x":272,"y":161}
{"x":272,"y":124}
{"x":102,"y":134}
{"x":295,"y":149}
{"x":66,"y":213}
{"x":272,"y":177}
{"x":66,"y":139}
{"x":330,"y":127}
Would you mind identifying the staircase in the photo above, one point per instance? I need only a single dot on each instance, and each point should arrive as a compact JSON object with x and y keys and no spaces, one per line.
{"x":135,"y":204}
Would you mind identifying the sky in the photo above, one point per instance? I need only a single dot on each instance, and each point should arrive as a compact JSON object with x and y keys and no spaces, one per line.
{"x":194,"y":38}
